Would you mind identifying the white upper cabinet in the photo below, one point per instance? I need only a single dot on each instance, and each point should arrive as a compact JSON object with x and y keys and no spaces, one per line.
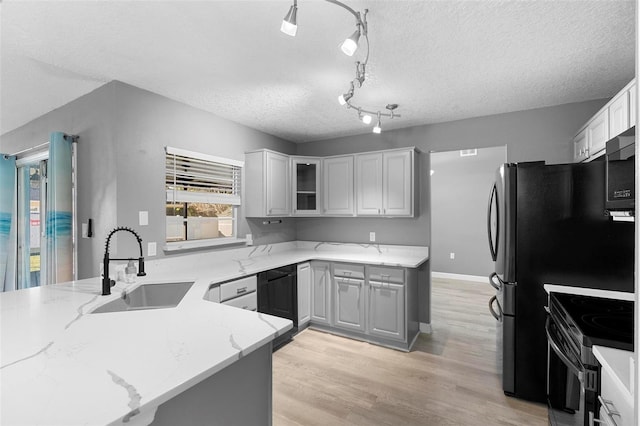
{"x":380,"y":183}
{"x":305,"y":175}
{"x":580,"y":146}
{"x":384,"y":182}
{"x":397,"y":189}
{"x":268,"y":188}
{"x":619,"y":114}
{"x":369,"y":179}
{"x":598,"y":132}
{"x":338,"y":185}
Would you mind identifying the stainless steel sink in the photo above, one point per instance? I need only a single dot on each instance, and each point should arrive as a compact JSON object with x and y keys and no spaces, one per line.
{"x":148,"y":296}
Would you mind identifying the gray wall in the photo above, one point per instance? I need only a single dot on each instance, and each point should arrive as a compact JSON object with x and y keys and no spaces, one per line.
{"x":459,"y":192}
{"x":123,"y":131}
{"x":538,"y":134}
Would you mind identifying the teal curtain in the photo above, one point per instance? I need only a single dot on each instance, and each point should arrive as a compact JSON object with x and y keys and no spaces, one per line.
{"x":7,"y":221}
{"x":59,"y":210}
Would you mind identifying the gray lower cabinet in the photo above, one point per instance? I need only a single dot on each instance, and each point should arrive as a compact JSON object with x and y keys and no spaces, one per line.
{"x":377,"y":304}
{"x":386,"y":310}
{"x":320,"y":293}
{"x":349,"y":303}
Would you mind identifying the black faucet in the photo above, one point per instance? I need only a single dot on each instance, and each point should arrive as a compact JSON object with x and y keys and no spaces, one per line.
{"x":107,"y":283}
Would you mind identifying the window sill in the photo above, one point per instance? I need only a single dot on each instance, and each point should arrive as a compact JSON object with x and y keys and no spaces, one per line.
{"x":190,"y":245}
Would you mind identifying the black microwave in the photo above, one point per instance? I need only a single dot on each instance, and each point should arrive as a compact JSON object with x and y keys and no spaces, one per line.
{"x":620,"y":173}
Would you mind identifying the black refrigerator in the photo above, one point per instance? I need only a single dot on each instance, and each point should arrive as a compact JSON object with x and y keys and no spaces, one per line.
{"x":547,"y":225}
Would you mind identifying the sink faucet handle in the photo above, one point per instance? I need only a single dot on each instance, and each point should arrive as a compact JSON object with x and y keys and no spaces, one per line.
{"x":141,"y":272}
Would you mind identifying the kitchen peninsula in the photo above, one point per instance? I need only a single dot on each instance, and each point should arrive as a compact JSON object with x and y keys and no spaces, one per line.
{"x":63,"y":365}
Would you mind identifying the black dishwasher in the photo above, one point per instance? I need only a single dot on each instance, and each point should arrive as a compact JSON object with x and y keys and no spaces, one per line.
{"x":278,"y":296}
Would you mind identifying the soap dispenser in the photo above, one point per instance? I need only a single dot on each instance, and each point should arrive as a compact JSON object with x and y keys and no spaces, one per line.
{"x":130,"y":272}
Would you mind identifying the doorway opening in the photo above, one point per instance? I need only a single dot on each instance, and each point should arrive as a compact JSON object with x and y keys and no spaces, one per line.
{"x":460,"y":185}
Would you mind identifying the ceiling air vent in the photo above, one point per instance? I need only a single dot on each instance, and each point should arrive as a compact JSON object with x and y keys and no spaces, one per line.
{"x":468,"y":152}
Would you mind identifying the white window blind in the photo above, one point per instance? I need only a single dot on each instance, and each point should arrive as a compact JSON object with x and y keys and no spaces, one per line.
{"x":193,"y":177}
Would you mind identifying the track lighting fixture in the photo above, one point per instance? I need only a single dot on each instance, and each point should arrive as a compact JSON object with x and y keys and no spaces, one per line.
{"x":349,"y":47}
{"x":289,"y":23}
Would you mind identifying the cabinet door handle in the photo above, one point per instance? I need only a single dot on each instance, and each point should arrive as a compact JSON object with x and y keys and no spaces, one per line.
{"x":609,"y":408}
{"x":241,"y":290}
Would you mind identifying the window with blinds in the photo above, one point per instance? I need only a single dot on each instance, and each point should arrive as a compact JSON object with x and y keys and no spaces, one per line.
{"x":203,"y":193}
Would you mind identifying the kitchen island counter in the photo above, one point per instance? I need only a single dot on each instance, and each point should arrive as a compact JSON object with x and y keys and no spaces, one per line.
{"x":61,"y":364}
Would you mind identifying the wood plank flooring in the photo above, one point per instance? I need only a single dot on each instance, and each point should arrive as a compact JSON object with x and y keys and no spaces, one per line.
{"x":449,"y":378}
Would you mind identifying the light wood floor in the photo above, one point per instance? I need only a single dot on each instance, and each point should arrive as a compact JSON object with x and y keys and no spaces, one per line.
{"x":449,"y":378}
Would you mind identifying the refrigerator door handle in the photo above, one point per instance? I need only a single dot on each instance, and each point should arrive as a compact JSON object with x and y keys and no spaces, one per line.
{"x":493,"y":283}
{"x":492,"y":249}
{"x":496,"y":315}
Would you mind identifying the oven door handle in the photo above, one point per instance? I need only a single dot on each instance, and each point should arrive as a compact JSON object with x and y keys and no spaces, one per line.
{"x":575,"y":367}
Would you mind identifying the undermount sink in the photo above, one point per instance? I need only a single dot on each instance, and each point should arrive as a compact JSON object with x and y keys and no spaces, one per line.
{"x":148,"y":296}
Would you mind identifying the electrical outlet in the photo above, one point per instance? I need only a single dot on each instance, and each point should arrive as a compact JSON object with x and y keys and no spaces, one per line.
{"x":143,"y":218}
{"x":452,"y":256}
{"x":151,"y":249}
{"x":249,"y":238}
{"x":372,"y":236}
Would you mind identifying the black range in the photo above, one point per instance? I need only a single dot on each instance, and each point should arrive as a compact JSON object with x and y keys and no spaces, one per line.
{"x":598,"y":321}
{"x":574,"y":324}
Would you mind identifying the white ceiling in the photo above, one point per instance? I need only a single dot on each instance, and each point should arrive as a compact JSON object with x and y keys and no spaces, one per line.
{"x":440,"y":60}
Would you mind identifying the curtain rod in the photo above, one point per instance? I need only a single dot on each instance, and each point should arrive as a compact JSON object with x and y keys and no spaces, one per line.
{"x":74,"y":139}
{"x":27,"y":150}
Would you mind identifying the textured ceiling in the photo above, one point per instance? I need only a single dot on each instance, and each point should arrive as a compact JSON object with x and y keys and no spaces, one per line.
{"x":440,"y":60}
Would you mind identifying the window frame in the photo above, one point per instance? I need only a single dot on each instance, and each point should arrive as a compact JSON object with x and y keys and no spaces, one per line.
{"x":235,"y":200}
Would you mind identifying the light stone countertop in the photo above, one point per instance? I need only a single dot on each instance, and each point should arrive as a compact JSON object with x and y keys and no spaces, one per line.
{"x":61,"y":365}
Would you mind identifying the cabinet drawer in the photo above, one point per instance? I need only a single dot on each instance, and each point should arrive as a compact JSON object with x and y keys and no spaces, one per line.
{"x":617,"y":399}
{"x":348,"y":271}
{"x":248,"y":302}
{"x":386,"y":275}
{"x":236,"y":288}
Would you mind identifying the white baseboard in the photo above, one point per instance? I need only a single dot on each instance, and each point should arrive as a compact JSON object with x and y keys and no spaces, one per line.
{"x":476,"y":278}
{"x":425,"y":328}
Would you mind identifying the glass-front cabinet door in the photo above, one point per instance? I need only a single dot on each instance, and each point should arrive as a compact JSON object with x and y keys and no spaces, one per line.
{"x":306,"y":185}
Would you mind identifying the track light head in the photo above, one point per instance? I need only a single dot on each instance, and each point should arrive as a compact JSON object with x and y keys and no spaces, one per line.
{"x":350,"y":45}
{"x":343,"y":99}
{"x":377,"y":128}
{"x":366,"y":119}
{"x":289,"y":23}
